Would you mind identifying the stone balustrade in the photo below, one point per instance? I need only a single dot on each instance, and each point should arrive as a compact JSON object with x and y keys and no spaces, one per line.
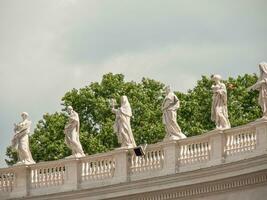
{"x":151,"y":161}
{"x":121,"y":165}
{"x":98,"y":168}
{"x":47,"y":176}
{"x":7,"y":179}
{"x":193,"y":151}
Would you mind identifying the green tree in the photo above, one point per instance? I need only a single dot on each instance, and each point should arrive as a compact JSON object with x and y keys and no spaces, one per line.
{"x":92,"y":104}
{"x":194,"y":114}
{"x":96,"y":133}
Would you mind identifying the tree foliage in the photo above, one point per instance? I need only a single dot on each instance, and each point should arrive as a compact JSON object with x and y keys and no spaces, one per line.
{"x":96,"y":133}
{"x":194,"y":116}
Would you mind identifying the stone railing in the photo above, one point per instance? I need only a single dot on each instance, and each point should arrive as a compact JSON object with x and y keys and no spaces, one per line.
{"x":98,"y":168}
{"x":121,"y":165}
{"x":194,"y":151}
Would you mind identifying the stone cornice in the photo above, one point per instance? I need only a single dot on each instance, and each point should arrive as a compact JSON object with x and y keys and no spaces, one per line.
{"x":230,"y":176}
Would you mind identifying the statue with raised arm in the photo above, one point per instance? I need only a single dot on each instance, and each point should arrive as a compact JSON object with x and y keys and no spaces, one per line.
{"x":20,"y":140}
{"x":71,"y":131}
{"x":219,"y":111}
{"x":261,"y":85}
{"x":122,"y":126}
{"x":169,"y":108}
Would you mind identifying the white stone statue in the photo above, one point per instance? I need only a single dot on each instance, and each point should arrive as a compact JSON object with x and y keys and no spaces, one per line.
{"x":219,"y":111}
{"x":122,"y":126}
{"x":261,"y":85}
{"x":71,"y":131}
{"x":20,"y":140}
{"x":169,"y":108}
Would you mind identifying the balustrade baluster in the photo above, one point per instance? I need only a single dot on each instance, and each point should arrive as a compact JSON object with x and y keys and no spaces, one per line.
{"x":246,"y":141}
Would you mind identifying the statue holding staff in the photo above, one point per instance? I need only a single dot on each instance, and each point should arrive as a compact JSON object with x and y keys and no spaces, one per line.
{"x":122,"y":126}
{"x":219,"y":111}
{"x":20,"y":140}
{"x":71,"y":131}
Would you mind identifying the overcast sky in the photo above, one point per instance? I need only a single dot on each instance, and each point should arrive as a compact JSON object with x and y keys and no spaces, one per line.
{"x":48,"y":47}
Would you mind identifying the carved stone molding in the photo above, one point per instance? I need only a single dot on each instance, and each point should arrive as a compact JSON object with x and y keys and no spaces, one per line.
{"x":205,"y":189}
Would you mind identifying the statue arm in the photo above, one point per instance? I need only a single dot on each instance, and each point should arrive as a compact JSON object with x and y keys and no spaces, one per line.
{"x":257,"y":85}
{"x":114,"y":110}
{"x":166,"y":104}
{"x":68,"y":125}
{"x":71,"y":124}
{"x":20,"y":133}
{"x":176,"y":101}
{"x":222,"y":90}
{"x":223,"y":93}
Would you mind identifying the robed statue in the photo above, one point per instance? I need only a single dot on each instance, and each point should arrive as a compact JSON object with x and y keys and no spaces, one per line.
{"x":122,"y":126}
{"x":219,"y":111}
{"x":169,"y":108}
{"x":71,"y":131}
{"x":261,"y":86}
{"x":20,"y":140}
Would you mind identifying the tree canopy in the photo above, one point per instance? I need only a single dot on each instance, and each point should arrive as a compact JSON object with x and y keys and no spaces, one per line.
{"x":96,"y":133}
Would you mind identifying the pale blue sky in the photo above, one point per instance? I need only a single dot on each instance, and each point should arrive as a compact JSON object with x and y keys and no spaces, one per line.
{"x":48,"y":47}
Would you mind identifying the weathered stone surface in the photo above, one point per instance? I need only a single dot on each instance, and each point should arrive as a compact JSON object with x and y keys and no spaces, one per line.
{"x":20,"y":140}
{"x":122,"y":126}
{"x":261,"y":86}
{"x":219,"y":110}
{"x":72,"y":129}
{"x":169,"y":108}
{"x":215,"y":165}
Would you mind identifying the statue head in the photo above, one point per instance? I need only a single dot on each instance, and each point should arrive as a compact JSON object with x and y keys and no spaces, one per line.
{"x":124,"y":100}
{"x":125,"y":106}
{"x":24,"y":115}
{"x":216,"y":78}
{"x":263,"y":68}
{"x":167,"y":89}
{"x":69,"y":109}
